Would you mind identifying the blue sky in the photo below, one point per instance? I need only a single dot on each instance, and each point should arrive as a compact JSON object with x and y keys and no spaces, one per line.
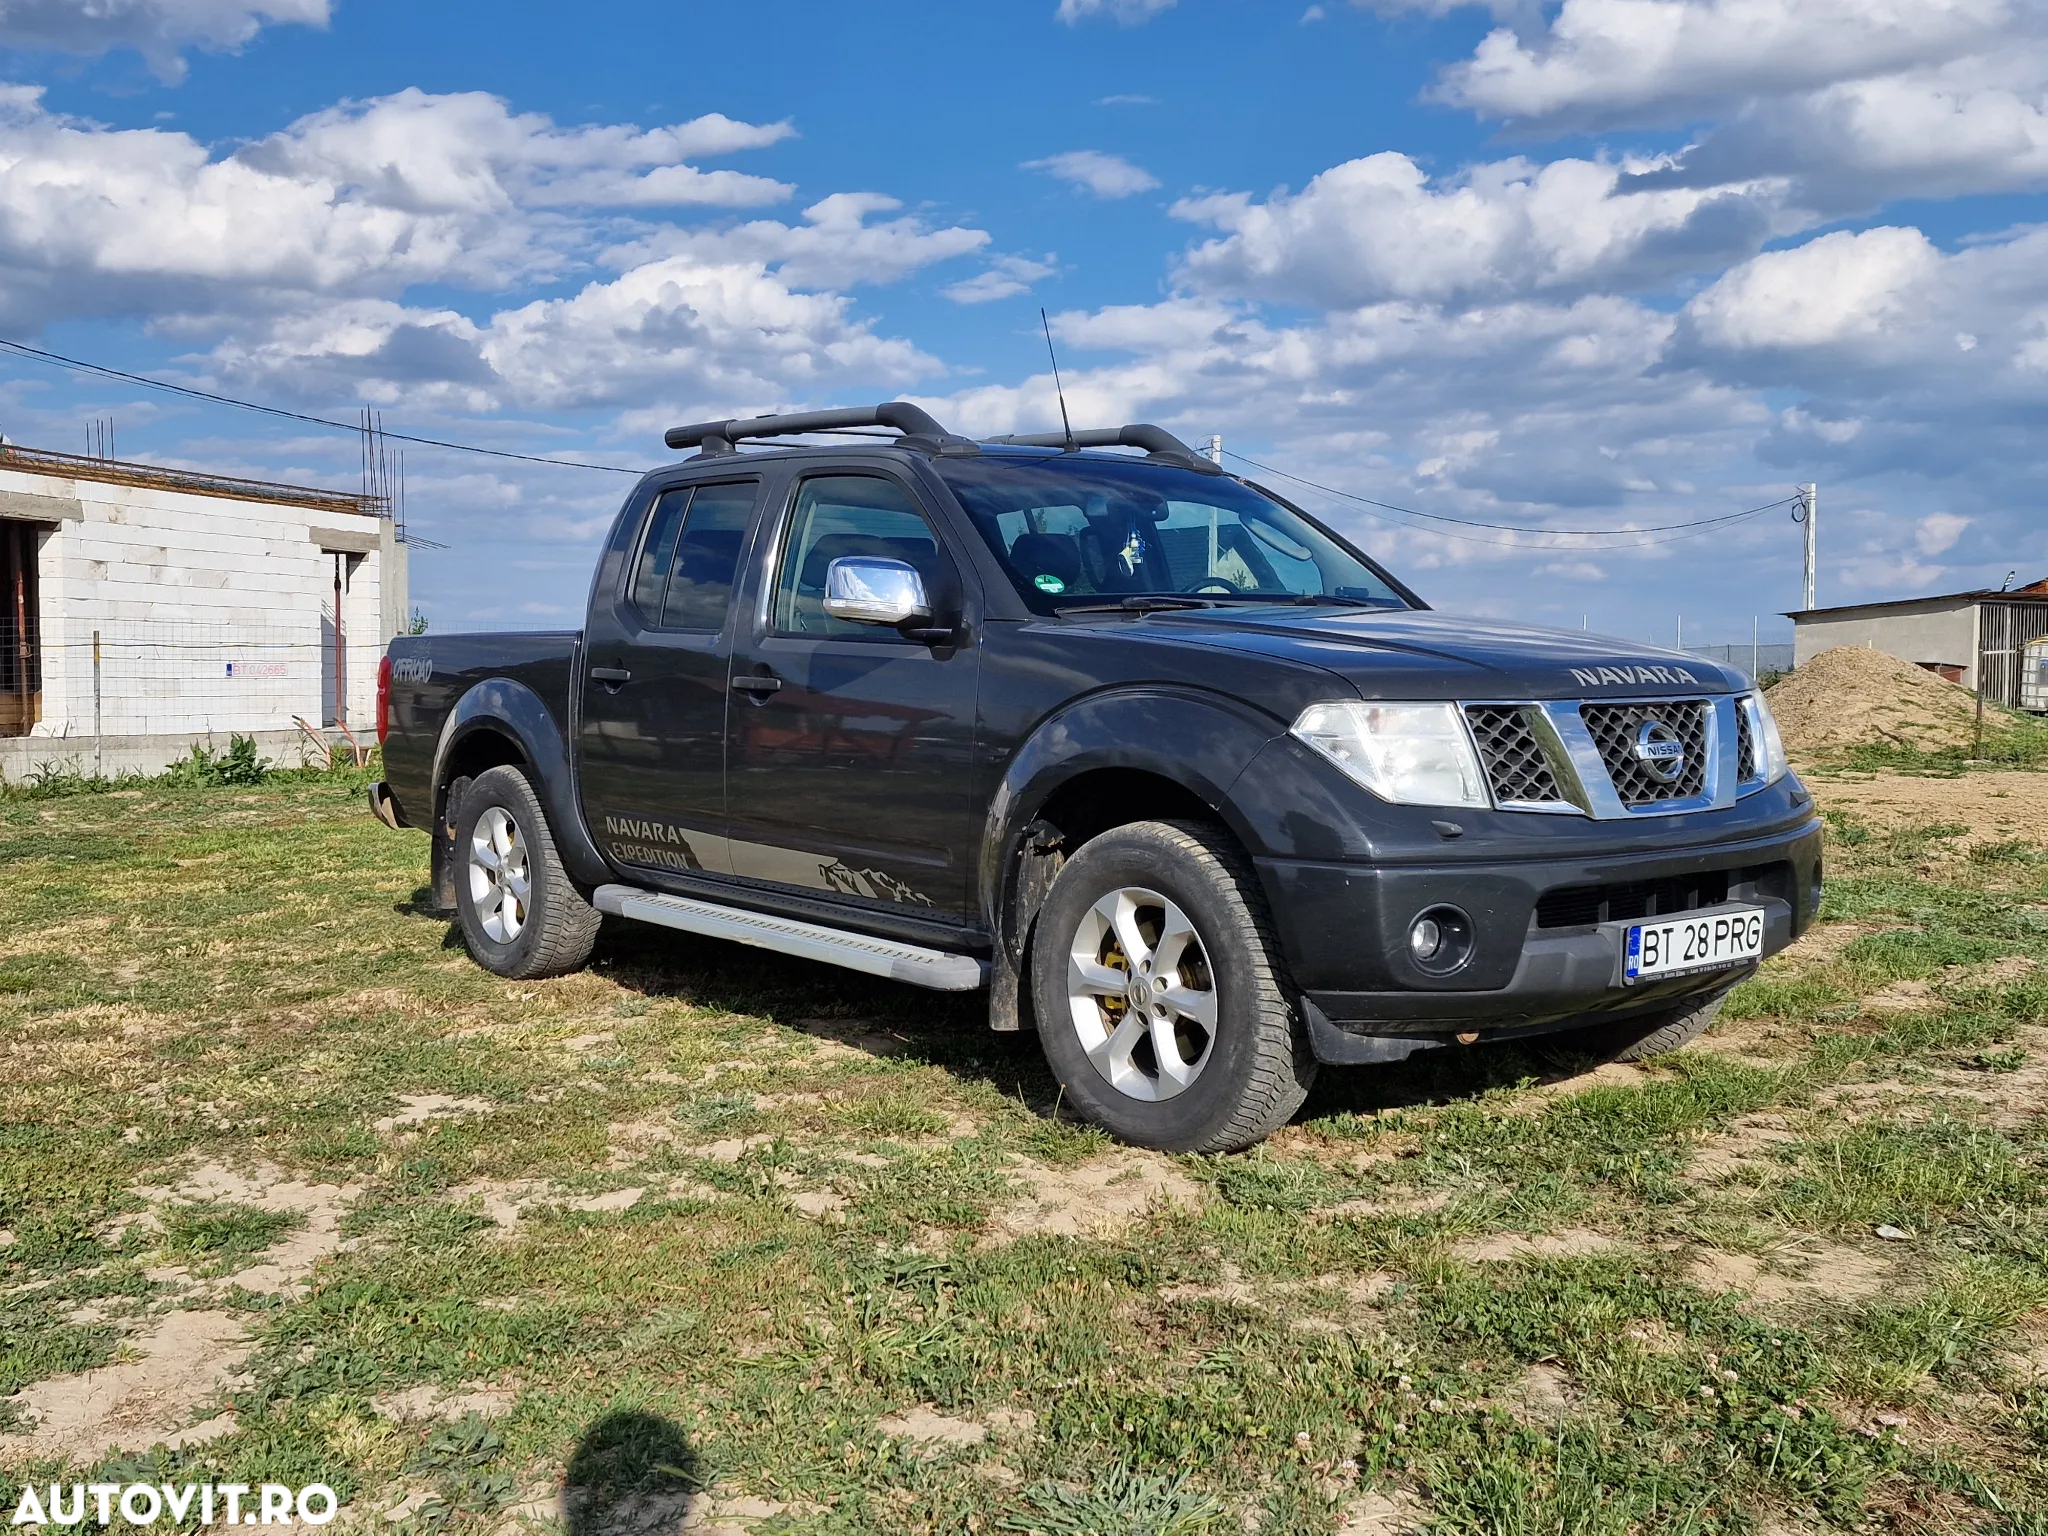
{"x":1604,"y":264}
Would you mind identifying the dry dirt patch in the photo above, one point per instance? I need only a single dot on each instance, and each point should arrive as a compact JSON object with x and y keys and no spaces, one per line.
{"x":184,"y":1361}
{"x":1504,"y":1247}
{"x":416,"y":1109}
{"x":1383,"y":1514}
{"x":1994,"y":804}
{"x":1818,"y":1272}
{"x":290,"y":1260}
{"x":188,"y":1355}
{"x":1097,"y":1198}
{"x":927,"y":1426}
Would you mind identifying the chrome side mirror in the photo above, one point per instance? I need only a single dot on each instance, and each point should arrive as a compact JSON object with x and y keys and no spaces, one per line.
{"x":869,"y":589}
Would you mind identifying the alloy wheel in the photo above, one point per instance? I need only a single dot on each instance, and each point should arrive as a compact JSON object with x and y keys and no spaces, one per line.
{"x":500,"y":886}
{"x":1142,"y":994}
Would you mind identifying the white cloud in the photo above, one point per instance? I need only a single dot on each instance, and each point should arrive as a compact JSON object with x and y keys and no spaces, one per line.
{"x":728,"y":336}
{"x":160,"y":30}
{"x":1127,"y":101}
{"x":1938,"y":532}
{"x":835,"y":247}
{"x":1969,"y":126}
{"x":1105,"y":175}
{"x":1376,"y":228}
{"x":1130,"y":12}
{"x":1843,"y":290}
{"x":1005,"y":278}
{"x":1605,"y":60}
{"x":467,"y":152}
{"x":362,"y":198}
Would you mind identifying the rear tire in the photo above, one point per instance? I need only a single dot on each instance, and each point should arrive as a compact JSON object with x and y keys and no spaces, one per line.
{"x":520,"y":914}
{"x":1653,"y":1034}
{"x":1161,"y":1000}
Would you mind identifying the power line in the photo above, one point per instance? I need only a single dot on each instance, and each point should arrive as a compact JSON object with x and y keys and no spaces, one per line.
{"x":281,"y":413}
{"x":1467,"y":522}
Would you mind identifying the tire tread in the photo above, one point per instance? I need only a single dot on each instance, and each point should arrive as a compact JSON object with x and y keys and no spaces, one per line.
{"x":568,"y":924}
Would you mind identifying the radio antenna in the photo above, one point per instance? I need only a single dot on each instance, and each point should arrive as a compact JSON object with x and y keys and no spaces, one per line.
{"x":1058,"y":387}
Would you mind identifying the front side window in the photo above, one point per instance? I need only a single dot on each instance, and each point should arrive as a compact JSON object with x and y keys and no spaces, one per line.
{"x":683,"y":576}
{"x":1073,"y":529}
{"x":840,"y":515}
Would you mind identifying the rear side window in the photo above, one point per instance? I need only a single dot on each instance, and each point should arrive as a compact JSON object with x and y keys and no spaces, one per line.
{"x":840,"y":515}
{"x":684,"y":575}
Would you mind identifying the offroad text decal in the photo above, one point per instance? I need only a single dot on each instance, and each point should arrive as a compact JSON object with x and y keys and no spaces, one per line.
{"x":642,"y":840}
{"x":412,"y":669}
{"x":1621,"y":677}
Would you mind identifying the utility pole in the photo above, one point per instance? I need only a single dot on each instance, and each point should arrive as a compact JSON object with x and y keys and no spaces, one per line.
{"x":1809,"y":498}
{"x":1215,"y":449}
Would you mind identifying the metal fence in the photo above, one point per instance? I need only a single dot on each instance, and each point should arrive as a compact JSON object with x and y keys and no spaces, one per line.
{"x":2004,"y":631}
{"x":1753,"y":660}
{"x":182,"y":679}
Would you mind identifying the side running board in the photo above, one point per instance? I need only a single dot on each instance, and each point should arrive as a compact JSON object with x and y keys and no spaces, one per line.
{"x":921,"y":967}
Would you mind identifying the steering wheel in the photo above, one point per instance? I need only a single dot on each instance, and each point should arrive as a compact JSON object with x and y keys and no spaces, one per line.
{"x":1215,"y":584}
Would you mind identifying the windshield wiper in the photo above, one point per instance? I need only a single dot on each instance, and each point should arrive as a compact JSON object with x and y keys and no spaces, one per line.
{"x":1137,"y":604}
{"x":1295,"y":599}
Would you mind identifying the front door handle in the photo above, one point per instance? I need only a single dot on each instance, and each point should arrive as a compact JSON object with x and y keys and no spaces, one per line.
{"x":755,"y":683}
{"x":611,"y":677}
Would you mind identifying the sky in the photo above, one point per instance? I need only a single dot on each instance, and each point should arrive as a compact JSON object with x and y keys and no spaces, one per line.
{"x":1604,"y":266}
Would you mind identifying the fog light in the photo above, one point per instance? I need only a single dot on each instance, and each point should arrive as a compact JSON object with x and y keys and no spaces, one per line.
{"x":1440,"y":940}
{"x":1426,"y":938}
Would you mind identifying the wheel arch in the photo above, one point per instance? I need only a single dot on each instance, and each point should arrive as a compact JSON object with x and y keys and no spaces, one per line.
{"x":1104,"y":761}
{"x":504,"y":723}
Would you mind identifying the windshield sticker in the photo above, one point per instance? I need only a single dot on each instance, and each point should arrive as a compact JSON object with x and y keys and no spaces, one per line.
{"x":1050,"y":584}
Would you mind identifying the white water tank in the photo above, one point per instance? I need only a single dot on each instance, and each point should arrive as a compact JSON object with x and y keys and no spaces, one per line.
{"x":2034,"y":676}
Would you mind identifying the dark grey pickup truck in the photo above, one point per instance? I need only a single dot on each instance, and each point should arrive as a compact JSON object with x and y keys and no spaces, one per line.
{"x":1190,"y":785}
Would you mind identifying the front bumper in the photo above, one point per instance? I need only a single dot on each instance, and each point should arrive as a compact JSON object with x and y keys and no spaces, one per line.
{"x":1543,"y":958}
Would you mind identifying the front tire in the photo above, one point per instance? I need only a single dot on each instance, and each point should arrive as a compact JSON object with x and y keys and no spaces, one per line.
{"x":1162,"y":1004}
{"x":520,"y":914}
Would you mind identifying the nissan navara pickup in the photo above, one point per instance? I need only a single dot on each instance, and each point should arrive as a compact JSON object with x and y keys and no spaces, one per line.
{"x":1185,"y":781}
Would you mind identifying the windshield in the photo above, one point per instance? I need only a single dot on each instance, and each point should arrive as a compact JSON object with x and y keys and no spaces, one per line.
{"x":1074,"y":531}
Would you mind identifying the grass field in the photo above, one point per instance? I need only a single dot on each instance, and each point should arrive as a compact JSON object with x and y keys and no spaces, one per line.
{"x":289,"y":1191}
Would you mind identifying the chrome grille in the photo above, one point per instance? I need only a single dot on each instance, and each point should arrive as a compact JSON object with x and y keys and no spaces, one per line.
{"x":1516,"y":767}
{"x":1747,"y":766}
{"x":1615,"y":729}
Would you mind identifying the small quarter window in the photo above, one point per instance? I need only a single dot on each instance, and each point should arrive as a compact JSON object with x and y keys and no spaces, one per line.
{"x":684,"y":576}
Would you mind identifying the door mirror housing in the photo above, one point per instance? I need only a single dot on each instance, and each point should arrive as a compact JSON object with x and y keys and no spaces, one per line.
{"x":869,"y":589}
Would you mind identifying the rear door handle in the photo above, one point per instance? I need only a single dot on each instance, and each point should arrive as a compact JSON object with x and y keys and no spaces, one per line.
{"x":753,"y":683}
{"x":610,"y":676}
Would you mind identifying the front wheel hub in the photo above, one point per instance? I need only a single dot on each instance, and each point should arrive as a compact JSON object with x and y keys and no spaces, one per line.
{"x":1141,"y":994}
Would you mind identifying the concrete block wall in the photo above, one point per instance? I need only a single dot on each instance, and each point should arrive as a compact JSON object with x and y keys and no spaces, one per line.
{"x":1940,"y":630}
{"x":215,"y":613}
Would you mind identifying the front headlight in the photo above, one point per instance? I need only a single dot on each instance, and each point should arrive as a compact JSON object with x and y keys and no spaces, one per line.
{"x":1412,"y":754}
{"x":1763,"y":729}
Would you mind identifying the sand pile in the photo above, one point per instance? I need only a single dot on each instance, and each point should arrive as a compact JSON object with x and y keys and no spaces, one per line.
{"x":1852,"y":697}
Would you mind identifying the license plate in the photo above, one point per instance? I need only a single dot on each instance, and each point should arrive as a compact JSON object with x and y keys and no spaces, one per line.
{"x":1701,"y":941}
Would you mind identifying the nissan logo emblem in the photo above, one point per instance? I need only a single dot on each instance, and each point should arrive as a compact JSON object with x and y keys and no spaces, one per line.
{"x":1660,"y":751}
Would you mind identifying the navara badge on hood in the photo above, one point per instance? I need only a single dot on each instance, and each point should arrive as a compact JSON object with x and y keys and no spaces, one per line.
{"x":1626,"y":676}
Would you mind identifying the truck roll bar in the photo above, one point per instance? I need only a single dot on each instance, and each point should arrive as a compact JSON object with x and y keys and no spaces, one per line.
{"x":1157,"y":442}
{"x":715,"y":439}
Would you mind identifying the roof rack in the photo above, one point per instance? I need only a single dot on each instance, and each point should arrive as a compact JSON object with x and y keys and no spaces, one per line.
{"x":716,"y":439}
{"x":1157,"y":442}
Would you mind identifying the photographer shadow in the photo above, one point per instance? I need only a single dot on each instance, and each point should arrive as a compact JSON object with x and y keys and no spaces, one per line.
{"x":633,"y":1473}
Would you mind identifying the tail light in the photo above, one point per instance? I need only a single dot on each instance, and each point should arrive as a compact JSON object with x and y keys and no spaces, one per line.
{"x":383,"y":699}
